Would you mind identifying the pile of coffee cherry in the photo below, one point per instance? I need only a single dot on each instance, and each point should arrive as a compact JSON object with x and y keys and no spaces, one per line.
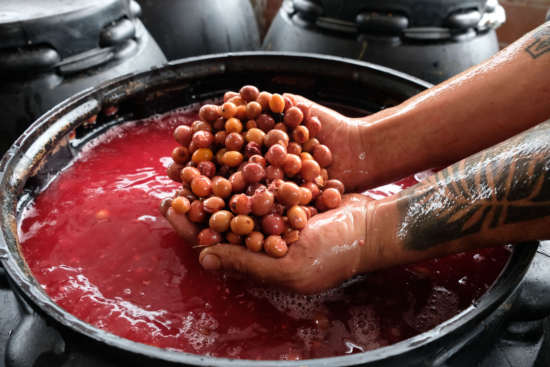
{"x":253,"y":170}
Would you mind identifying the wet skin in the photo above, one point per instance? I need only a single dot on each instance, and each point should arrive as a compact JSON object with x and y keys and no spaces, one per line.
{"x":496,"y":197}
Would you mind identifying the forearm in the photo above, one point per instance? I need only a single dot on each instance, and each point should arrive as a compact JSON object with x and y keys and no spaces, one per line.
{"x":485,"y":105}
{"x":496,"y":197}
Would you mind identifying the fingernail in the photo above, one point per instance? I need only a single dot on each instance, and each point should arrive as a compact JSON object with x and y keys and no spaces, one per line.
{"x":212,"y":262}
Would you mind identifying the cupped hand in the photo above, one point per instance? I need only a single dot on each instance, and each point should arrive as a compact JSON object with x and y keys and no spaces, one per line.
{"x":331,"y":248}
{"x":347,"y":140}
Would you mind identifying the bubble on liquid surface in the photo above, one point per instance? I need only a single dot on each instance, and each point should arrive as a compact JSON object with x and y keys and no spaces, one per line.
{"x":299,"y":306}
{"x":199,"y":330}
{"x":365,"y":327}
{"x":440,"y":306}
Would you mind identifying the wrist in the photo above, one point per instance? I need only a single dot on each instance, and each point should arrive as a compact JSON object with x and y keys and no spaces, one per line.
{"x":373,"y":256}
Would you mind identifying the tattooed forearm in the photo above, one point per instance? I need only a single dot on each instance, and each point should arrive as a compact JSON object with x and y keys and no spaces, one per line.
{"x":541,"y":43}
{"x":508,"y":183}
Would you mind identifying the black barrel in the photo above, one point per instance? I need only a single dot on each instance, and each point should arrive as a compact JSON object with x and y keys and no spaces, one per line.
{"x":185,"y":28}
{"x":430,"y":39}
{"x":52,"y":50}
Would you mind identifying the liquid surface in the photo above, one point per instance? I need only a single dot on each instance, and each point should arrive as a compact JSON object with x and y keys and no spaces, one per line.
{"x":95,"y":241}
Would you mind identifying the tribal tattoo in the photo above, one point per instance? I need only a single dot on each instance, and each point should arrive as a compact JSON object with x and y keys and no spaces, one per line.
{"x":541,"y":44}
{"x":508,"y":183}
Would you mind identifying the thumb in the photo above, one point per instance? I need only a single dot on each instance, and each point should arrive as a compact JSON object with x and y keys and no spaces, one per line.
{"x":240,"y":261}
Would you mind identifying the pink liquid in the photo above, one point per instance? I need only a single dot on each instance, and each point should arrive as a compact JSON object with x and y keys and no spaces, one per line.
{"x":95,"y":241}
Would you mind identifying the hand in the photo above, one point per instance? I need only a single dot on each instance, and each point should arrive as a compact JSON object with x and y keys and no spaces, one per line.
{"x":330,"y":250}
{"x":345,"y":137}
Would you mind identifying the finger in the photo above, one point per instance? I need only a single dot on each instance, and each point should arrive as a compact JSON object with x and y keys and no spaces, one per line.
{"x":186,"y":229}
{"x":330,"y":119}
{"x":242,"y":262}
{"x":164,"y":205}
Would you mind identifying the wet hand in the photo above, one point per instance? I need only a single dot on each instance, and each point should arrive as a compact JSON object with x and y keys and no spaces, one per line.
{"x":346,"y":139}
{"x":331,"y":249}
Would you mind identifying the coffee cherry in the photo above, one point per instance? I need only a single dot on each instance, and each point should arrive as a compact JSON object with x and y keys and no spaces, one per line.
{"x":276,"y":155}
{"x":188,"y":194}
{"x":238,"y":183}
{"x":181,"y":155}
{"x":173,"y":171}
{"x":294,"y":148}
{"x":291,"y":237}
{"x":209,"y":112}
{"x":263,"y":100}
{"x":242,"y":225}
{"x":251,"y":189}
{"x":322,"y":155}
{"x":313,"y":188}
{"x":183,"y":135}
{"x":251,"y":124}
{"x":219,"y":124}
{"x":201,"y":186}
{"x":310,"y":145}
{"x":306,"y":196}
{"x":221,"y":221}
{"x":234,"y":238}
{"x":234,"y":141}
{"x":181,"y":205}
{"x":258,"y":159}
{"x":265,"y":123}
{"x":228,"y":110}
{"x":249,"y":93}
{"x":313,"y":124}
{"x":275,"y":246}
{"x":306,"y":109}
{"x":256,"y":135}
{"x":275,"y":137}
{"x":233,"y":125}
{"x":209,"y":237}
{"x":331,"y":198}
{"x":273,"y":173}
{"x":300,"y":134}
{"x":293,"y":165}
{"x":207,"y":168}
{"x":277,"y":103}
{"x":262,"y":202}
{"x":289,"y":194}
{"x":196,"y":213}
{"x":213,"y":204}
{"x":288,"y":103}
{"x":252,"y":149}
{"x":222,"y":188}
{"x":202,"y":126}
{"x":293,"y":117}
{"x":241,"y":113}
{"x":253,"y":110}
{"x":335,"y":184}
{"x":228,"y":95}
{"x":219,"y":156}
{"x":238,"y":101}
{"x":272,"y":224}
{"x":310,"y":170}
{"x":240,"y":204}
{"x":232,"y":159}
{"x":297,"y":217}
{"x":304,"y":156}
{"x":202,"y":155}
{"x":254,"y":241}
{"x":320,"y":205}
